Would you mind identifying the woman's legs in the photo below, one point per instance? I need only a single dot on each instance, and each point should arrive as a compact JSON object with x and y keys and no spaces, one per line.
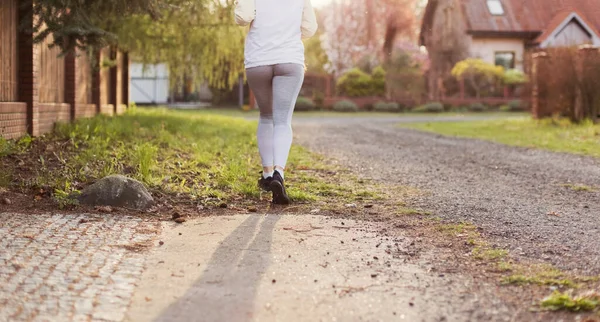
{"x":260,"y":80}
{"x":287,"y":82}
{"x":276,"y":89}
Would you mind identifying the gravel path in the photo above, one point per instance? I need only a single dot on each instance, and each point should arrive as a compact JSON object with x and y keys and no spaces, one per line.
{"x":516,"y":195}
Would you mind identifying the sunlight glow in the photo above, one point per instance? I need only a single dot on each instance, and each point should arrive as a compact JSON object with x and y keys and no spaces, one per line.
{"x":320,"y":3}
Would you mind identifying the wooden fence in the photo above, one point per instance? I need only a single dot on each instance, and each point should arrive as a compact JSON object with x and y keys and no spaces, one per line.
{"x":565,"y":82}
{"x":8,"y":50}
{"x":39,"y":87}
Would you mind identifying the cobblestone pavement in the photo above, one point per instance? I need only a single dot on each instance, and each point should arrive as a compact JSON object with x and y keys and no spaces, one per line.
{"x":70,"y":267}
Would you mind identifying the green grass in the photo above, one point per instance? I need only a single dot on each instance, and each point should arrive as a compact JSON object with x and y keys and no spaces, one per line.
{"x":579,"y":187}
{"x":489,"y":254}
{"x":236,"y":112}
{"x":543,"y":274}
{"x":553,"y":135}
{"x":566,"y":301}
{"x":457,"y":229}
{"x":200,"y":154}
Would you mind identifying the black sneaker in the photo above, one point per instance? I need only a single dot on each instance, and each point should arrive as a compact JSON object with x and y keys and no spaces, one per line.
{"x":264,"y":184}
{"x":280,"y":197}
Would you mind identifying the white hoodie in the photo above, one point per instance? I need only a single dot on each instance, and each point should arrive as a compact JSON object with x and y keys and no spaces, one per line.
{"x":276,"y":30}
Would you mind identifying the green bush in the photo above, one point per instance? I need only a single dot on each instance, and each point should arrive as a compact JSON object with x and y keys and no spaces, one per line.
{"x":378,"y":82}
{"x":477,"y":107}
{"x":460,"y":109}
{"x":387,"y":107}
{"x":513,"y":106}
{"x":304,"y":104}
{"x":433,"y":107}
{"x":516,"y":105}
{"x":356,"y":83}
{"x":318,"y":98}
{"x":6,"y":147}
{"x":505,"y":108}
{"x":345,"y":106}
{"x":514,"y":77}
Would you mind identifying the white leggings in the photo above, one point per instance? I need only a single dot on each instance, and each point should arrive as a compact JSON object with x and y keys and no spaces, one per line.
{"x":276,"y":88}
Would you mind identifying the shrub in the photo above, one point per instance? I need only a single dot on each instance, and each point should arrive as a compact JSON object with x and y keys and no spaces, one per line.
{"x":478,"y":73}
{"x":318,"y":98}
{"x":387,"y":107}
{"x":516,"y":105}
{"x":460,"y":109}
{"x":304,"y":104}
{"x":513,"y":106}
{"x":355,"y":83}
{"x":514,"y":77}
{"x":434,"y":107}
{"x":345,"y":106}
{"x":477,"y":107}
{"x":505,"y":108}
{"x":378,"y":81}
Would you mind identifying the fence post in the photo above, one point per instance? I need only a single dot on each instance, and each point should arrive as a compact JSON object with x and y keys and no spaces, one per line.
{"x":241,"y":91}
{"x":587,"y":104}
{"x":71,"y":82}
{"x":328,"y":80}
{"x":95,"y":70}
{"x":114,"y":81}
{"x":28,"y":54}
{"x":252,"y":100}
{"x":538,"y":62}
{"x":126,"y":80}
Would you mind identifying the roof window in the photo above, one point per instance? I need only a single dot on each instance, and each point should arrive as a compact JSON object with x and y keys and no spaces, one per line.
{"x":495,"y":7}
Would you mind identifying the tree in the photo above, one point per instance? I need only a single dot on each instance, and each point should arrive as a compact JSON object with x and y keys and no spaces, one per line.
{"x":355,"y":28}
{"x":199,"y":41}
{"x":514,"y":77}
{"x":315,"y":56}
{"x":86,"y":23}
{"x":196,"y":38}
{"x":479,"y":73}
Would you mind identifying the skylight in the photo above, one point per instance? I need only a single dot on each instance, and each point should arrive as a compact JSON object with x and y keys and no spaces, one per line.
{"x":495,"y":7}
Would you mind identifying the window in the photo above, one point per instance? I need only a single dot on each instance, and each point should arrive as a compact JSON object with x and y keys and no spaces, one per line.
{"x":495,"y":7}
{"x":505,"y":59}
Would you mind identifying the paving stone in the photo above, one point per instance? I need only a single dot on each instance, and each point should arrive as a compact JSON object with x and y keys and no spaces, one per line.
{"x":81,"y":318}
{"x":63,"y":270}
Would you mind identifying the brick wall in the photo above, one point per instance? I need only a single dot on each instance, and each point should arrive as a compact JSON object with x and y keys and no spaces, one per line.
{"x":107,"y":109}
{"x":86,"y":91}
{"x":85,"y":110}
{"x":51,"y":113}
{"x":13,"y":120}
{"x":121,"y":108}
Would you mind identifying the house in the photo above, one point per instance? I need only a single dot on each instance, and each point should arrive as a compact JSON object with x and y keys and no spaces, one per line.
{"x":501,"y":31}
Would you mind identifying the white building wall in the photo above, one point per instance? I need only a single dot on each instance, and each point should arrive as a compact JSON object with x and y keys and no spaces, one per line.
{"x":485,"y":48}
{"x":149,"y":83}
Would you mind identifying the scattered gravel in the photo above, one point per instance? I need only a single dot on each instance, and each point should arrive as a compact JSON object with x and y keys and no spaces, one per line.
{"x":516,"y":196}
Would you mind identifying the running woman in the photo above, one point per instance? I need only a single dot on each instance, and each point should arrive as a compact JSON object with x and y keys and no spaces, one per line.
{"x":274,"y":61}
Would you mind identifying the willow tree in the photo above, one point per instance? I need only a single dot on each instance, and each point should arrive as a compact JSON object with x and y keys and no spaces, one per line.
{"x":196,"y":38}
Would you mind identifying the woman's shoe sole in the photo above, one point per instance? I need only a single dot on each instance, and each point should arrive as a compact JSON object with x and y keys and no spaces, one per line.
{"x":279,"y":195}
{"x":264,"y":187}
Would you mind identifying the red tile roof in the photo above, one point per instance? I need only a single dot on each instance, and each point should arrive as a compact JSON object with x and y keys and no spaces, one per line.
{"x":554,"y":23}
{"x":526,"y":16}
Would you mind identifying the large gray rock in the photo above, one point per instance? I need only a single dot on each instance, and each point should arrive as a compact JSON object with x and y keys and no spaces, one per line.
{"x":117,"y":191}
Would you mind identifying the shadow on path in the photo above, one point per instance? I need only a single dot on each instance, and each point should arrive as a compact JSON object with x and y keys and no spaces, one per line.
{"x":227,"y":289}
